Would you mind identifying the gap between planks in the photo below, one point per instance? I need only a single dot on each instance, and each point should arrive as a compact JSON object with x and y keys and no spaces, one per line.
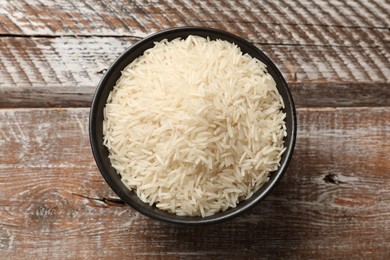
{"x":138,"y":38}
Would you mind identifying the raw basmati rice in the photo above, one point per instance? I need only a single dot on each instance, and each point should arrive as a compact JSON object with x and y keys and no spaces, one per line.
{"x":194,"y":126}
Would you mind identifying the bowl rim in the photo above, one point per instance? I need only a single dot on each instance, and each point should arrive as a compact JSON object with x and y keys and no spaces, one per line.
{"x":193,"y":220}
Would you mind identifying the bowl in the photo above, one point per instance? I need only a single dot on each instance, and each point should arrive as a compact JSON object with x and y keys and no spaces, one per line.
{"x":101,"y":153}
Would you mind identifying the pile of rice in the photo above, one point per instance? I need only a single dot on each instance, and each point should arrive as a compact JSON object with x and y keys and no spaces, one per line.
{"x":194,"y":126}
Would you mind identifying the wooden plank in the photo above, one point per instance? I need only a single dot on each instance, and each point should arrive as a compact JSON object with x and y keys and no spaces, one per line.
{"x":363,"y":23}
{"x":41,"y":72}
{"x":332,"y":203}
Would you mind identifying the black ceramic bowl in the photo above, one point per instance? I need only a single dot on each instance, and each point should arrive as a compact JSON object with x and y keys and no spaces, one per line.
{"x":107,"y":83}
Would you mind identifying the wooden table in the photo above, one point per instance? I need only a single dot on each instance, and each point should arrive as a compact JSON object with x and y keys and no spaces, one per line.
{"x":334,"y":201}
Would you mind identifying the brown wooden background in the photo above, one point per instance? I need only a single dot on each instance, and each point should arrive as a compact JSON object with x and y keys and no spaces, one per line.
{"x":334,"y":201}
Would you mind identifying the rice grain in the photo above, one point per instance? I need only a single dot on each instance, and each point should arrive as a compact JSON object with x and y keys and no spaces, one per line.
{"x":194,"y":126}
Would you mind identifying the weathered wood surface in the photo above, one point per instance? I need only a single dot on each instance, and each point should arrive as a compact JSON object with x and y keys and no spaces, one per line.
{"x":54,"y":202}
{"x":310,"y":22}
{"x":342,"y":47}
{"x":334,"y":201}
{"x":65,"y":71}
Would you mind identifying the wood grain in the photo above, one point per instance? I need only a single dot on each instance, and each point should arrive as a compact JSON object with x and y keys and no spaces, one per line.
{"x":42,"y":72}
{"x":54,"y":203}
{"x":53,"y":53}
{"x":334,"y":201}
{"x":363,"y":23}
